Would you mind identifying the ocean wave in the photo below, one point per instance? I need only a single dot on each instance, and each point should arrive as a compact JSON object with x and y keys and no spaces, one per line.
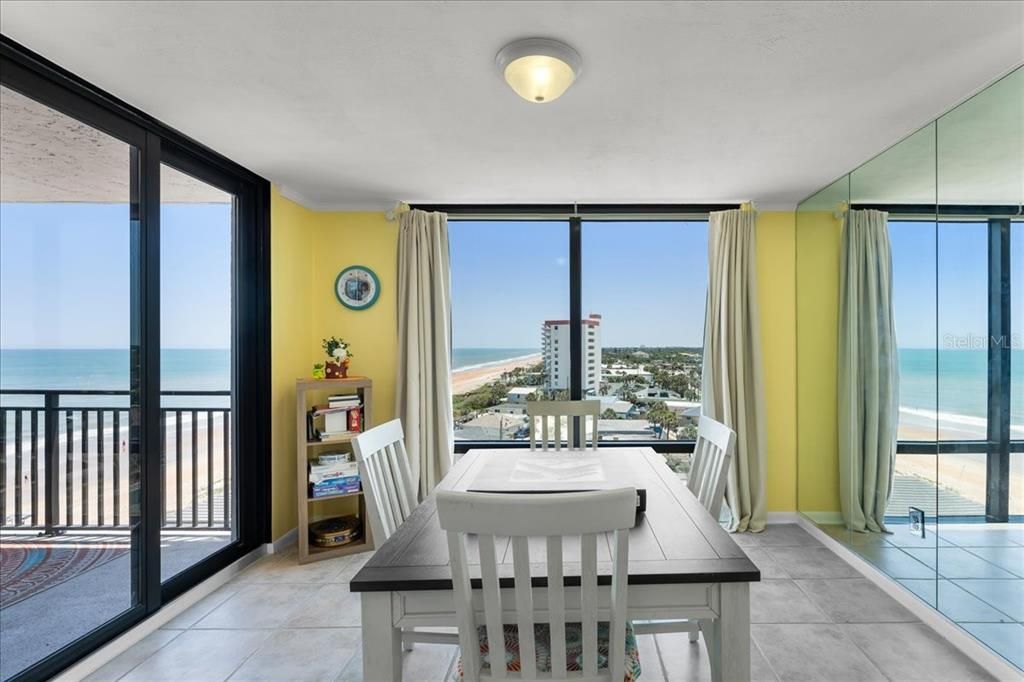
{"x":495,"y":363}
{"x":971,"y":422}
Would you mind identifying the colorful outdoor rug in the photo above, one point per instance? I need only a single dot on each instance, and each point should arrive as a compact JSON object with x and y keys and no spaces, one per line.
{"x":30,"y":565}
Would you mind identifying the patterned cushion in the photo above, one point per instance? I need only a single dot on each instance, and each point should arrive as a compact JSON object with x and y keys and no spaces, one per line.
{"x":573,"y":646}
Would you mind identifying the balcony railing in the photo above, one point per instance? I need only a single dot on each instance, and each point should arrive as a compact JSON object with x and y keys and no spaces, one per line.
{"x":65,"y":463}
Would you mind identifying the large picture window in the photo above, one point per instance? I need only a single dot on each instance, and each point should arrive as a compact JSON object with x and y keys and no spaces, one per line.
{"x":599,"y":309}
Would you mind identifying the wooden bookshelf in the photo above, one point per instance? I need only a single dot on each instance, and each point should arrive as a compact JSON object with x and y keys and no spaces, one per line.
{"x":307,"y":393}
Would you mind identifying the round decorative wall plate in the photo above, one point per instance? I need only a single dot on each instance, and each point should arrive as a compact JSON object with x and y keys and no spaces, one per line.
{"x":357,"y":287}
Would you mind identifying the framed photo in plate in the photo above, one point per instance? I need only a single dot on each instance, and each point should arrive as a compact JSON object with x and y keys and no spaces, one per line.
{"x":357,"y":287}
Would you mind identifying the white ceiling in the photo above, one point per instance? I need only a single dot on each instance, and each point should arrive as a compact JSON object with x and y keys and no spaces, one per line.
{"x":355,"y":105}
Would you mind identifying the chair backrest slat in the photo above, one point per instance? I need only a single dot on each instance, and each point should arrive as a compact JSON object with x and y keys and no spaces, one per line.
{"x":709,"y":467}
{"x":556,"y":606}
{"x":463,"y":596}
{"x":492,"y":597}
{"x":524,"y":608}
{"x":522,"y":516}
{"x":555,"y":411}
{"x":588,"y":583}
{"x":386,"y":476}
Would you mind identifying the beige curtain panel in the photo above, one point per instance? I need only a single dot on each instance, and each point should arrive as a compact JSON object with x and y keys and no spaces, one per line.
{"x":868,"y":372}
{"x":423,"y":396}
{"x":731,"y":385}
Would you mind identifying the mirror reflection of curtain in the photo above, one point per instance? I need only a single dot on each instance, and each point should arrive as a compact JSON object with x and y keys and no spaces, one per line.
{"x":868,"y":381}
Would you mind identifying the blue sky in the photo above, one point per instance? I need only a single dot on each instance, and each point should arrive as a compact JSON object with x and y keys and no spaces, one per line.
{"x":962,"y":288}
{"x":64,"y":272}
{"x":65,"y":268}
{"x":647,"y":280}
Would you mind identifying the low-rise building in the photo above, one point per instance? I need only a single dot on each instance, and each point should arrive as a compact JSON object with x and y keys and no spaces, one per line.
{"x":654,"y":394}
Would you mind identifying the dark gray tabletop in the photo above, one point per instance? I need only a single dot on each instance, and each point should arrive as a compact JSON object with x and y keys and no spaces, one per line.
{"x":675,"y":541}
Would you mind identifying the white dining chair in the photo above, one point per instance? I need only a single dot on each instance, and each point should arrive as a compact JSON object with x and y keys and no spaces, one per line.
{"x":552,"y":415}
{"x":552,"y":632}
{"x":709,"y":470}
{"x":390,"y":497}
{"x":388,"y":488}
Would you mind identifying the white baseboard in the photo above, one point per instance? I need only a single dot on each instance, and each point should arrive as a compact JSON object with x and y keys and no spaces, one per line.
{"x":284,"y":542}
{"x":116,"y":647}
{"x":947,"y":629}
{"x":782,"y":517}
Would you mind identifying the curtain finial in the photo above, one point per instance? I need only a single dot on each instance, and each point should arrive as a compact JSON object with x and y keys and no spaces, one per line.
{"x":399,"y":208}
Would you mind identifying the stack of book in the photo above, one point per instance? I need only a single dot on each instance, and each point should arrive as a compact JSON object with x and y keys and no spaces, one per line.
{"x":334,"y":474}
{"x":342,"y":418}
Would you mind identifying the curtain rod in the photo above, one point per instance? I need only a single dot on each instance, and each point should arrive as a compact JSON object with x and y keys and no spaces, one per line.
{"x":541,"y":211}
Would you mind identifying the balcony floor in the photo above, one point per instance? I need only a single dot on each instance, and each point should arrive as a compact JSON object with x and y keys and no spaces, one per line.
{"x":56,"y":589}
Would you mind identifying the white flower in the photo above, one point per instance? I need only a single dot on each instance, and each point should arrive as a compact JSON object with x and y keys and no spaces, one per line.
{"x":340,"y":353}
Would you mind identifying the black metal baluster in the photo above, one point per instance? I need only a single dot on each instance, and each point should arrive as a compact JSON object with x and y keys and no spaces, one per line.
{"x":51,"y":463}
{"x":116,"y":442}
{"x":163,"y":468}
{"x":69,"y":467}
{"x":209,"y":468}
{"x":85,"y":468}
{"x":194,"y":423}
{"x":101,"y":418}
{"x":3,"y":467}
{"x":177,"y":471}
{"x":34,"y":474}
{"x":18,"y":454}
{"x":226,"y":428}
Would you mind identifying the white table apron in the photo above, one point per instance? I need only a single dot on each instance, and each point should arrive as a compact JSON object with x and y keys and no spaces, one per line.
{"x":728,"y":604}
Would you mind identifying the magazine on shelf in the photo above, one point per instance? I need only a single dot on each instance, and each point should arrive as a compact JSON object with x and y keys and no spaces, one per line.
{"x":329,"y":472}
{"x":330,"y":492}
{"x":332,"y":457}
{"x":335,"y":486}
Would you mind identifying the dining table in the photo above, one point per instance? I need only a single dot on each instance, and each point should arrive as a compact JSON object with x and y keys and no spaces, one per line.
{"x":682,"y":563}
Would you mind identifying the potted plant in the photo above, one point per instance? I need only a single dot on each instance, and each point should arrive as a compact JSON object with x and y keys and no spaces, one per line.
{"x":338,"y":356}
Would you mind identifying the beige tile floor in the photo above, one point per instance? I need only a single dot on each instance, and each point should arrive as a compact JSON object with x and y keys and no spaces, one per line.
{"x":813,"y":619}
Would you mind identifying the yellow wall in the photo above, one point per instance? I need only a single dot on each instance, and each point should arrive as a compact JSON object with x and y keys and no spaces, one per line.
{"x":776,"y":277}
{"x":309,"y":249}
{"x":817,"y":272}
{"x":341,"y":240}
{"x":291,"y":315}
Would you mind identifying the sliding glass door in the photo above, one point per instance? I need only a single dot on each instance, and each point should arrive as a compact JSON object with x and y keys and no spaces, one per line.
{"x":70,"y":499}
{"x":134,"y":359}
{"x":197,"y":224}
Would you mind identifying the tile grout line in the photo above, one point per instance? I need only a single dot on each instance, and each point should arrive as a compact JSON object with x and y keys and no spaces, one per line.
{"x":132,"y":669}
{"x":661,"y":660}
{"x":246,"y":658}
{"x":753,"y":640}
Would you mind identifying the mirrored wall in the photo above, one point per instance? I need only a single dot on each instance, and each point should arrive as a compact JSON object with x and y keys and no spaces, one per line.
{"x":910,"y":331}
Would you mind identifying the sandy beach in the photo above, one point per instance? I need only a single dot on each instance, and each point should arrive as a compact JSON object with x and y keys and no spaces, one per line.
{"x":465,"y":380}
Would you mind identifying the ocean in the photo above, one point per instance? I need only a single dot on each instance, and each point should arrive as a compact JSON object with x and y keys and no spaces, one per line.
{"x":471,"y":358}
{"x":181,"y":369}
{"x":959,"y":375}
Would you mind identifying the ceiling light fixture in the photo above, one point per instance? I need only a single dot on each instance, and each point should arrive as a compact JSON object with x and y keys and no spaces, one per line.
{"x":539,"y":69}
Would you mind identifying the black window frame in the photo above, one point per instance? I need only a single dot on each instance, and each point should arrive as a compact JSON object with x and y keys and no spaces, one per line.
{"x":33,"y":76}
{"x":998,"y":445}
{"x":574,"y":215}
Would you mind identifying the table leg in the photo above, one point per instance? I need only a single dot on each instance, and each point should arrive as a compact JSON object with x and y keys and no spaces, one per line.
{"x":382,"y":641}
{"x":730,"y":644}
